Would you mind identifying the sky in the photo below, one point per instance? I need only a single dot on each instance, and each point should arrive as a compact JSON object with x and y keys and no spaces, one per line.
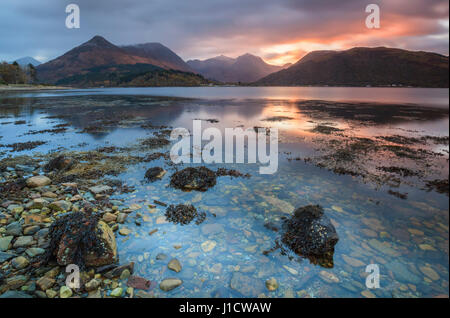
{"x":280,"y":31}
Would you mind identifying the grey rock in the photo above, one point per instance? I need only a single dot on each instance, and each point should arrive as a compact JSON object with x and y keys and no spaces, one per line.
{"x":5,"y":243}
{"x":14,"y":229}
{"x":100,"y":189}
{"x":23,"y":241}
{"x":4,"y":257}
{"x":34,"y":251}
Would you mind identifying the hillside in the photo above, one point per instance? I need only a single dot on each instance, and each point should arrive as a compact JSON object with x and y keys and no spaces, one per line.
{"x":364,"y":66}
{"x":133,"y":75}
{"x":158,"y":55}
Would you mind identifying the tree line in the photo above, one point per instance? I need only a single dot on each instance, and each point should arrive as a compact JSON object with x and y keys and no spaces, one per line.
{"x":16,"y":74}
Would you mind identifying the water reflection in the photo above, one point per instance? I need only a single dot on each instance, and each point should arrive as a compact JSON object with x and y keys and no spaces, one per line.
{"x":408,"y":239}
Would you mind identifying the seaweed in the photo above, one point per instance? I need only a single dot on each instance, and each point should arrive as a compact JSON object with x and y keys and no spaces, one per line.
{"x":155,"y":173}
{"x":199,"y":179}
{"x":21,"y":146}
{"x":231,"y":172}
{"x":327,"y":130}
{"x":155,"y":142}
{"x":404,"y":172}
{"x":184,"y":214}
{"x":310,"y":233}
{"x":77,"y":230}
{"x":440,"y":186}
{"x":399,"y":195}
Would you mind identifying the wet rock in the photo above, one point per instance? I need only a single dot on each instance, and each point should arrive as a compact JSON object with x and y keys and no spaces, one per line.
{"x":138,"y":282}
{"x":31,"y":230}
{"x":4,"y":257}
{"x":51,"y":293}
{"x":103,"y":235}
{"x":170,"y":284}
{"x":5,"y":243}
{"x":329,"y":277}
{"x":208,"y":246}
{"x":116,"y":272}
{"x":155,"y":173}
{"x":125,"y":274}
{"x":20,"y":262}
{"x":272,"y":284}
{"x":15,"y":294}
{"x":80,"y":238}
{"x":198,"y":178}
{"x":161,"y":257}
{"x":38,"y":181}
{"x":100,"y":189}
{"x":383,"y":248}
{"x":310,"y":233}
{"x":246,"y":285}
{"x":124,"y":231}
{"x":45,"y":283}
{"x":65,"y":292}
{"x":117,"y":292}
{"x":14,"y":229}
{"x":17,"y":281}
{"x":59,"y":163}
{"x":121,"y":217}
{"x":61,"y":205}
{"x":174,"y":265}
{"x":429,"y":272}
{"x":23,"y":241}
{"x":109,"y":217}
{"x":92,"y":285}
{"x":34,"y":251}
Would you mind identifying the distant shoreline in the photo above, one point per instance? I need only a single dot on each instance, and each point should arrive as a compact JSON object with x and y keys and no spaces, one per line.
{"x":6,"y":88}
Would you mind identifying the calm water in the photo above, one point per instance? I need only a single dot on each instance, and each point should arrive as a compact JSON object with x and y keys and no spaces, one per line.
{"x":408,"y":239}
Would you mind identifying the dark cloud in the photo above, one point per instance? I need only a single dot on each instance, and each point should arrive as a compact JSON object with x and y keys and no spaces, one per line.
{"x":202,"y":28}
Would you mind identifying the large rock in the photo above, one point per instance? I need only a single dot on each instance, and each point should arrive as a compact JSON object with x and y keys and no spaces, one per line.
{"x":107,"y":240}
{"x":170,"y":283}
{"x":310,"y":232}
{"x":14,"y":229}
{"x":38,"y":181}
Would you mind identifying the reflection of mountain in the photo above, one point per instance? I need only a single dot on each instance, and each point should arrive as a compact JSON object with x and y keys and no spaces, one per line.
{"x":364,"y":66}
{"x":246,"y":68}
{"x":100,"y":115}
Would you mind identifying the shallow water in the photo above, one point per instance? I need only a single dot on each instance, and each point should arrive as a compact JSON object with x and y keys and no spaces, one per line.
{"x":408,"y":239}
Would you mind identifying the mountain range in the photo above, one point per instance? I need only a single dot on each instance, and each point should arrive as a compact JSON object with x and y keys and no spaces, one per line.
{"x":98,"y":62}
{"x":24,"y":61}
{"x":361,"y":66}
{"x":246,"y":68}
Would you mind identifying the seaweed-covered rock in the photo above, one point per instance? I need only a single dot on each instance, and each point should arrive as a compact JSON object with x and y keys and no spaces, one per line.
{"x":184,"y":214}
{"x":155,"y":173}
{"x":80,"y":238}
{"x":59,"y":163}
{"x":198,"y":178}
{"x":310,"y":233}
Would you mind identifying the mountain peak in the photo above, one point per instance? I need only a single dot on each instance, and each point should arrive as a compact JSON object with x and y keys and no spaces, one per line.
{"x":98,"y":41}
